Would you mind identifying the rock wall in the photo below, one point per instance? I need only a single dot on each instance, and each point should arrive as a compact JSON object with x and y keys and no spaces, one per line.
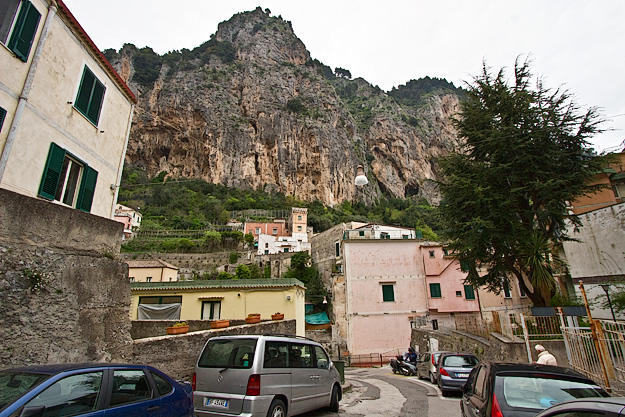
{"x":177,"y":355}
{"x":63,"y":295}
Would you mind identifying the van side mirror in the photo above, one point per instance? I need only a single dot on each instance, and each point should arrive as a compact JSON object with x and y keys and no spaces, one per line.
{"x":464,"y":388}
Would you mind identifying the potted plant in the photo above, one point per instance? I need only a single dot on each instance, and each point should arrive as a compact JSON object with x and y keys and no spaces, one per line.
{"x":252,"y":318}
{"x":180,"y":327}
{"x":220,"y":324}
{"x":277,"y":316}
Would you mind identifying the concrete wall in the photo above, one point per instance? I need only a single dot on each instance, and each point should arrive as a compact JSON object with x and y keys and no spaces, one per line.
{"x":142,"y":329}
{"x":80,"y":312}
{"x":177,"y":355}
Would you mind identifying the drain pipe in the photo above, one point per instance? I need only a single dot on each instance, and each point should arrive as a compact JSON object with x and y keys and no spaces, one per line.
{"x":26,"y":89}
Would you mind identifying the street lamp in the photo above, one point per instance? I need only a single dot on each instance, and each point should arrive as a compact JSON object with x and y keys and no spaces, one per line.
{"x":360,"y":179}
{"x":606,"y":287}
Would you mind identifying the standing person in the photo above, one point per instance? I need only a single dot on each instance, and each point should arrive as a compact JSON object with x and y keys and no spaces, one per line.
{"x":544,"y":356}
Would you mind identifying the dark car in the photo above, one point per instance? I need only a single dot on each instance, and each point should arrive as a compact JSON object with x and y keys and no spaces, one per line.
{"x":94,"y":390}
{"x":588,"y":407}
{"x":522,"y":389}
{"x":453,"y":371}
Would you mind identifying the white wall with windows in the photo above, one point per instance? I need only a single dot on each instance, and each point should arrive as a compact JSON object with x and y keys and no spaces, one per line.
{"x":69,"y":137}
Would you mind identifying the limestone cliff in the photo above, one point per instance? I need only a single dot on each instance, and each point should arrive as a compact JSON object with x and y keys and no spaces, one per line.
{"x":250,"y":108}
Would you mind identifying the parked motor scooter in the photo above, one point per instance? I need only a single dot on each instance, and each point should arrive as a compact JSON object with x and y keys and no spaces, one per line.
{"x":399,"y":365}
{"x":395,"y":364}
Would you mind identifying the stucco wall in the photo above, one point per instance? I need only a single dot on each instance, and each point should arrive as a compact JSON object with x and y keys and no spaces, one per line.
{"x":157,"y":274}
{"x":80,"y":313}
{"x":50,"y":116}
{"x":177,"y":355}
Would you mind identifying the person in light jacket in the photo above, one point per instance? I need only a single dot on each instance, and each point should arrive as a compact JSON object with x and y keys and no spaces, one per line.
{"x":544,"y":356}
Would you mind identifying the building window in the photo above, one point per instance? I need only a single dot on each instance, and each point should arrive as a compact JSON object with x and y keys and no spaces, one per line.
{"x":211,"y":310}
{"x":132,"y":279}
{"x":299,"y":217}
{"x":469,"y":293}
{"x":68,"y":180}
{"x":458,"y":293}
{"x":521,"y":292}
{"x":266,"y":251}
{"x":275,"y":231}
{"x":405,"y":236}
{"x":435,"y":291}
{"x":90,"y":96}
{"x":299,"y":228}
{"x":388,"y":293}
{"x":445,"y":252}
{"x":506,"y":289}
{"x":148,"y":279}
{"x":258,"y":230}
{"x":22,"y":28}
{"x":157,"y":299}
{"x":285,"y":250}
{"x":431,"y":254}
{"x":3,"y":114}
{"x":337,"y":248}
{"x":361,"y":233}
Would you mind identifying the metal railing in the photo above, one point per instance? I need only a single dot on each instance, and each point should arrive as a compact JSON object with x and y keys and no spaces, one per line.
{"x":371,"y":359}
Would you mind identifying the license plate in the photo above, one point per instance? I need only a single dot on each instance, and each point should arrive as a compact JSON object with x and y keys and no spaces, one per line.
{"x":463,"y":375}
{"x":216,"y":402}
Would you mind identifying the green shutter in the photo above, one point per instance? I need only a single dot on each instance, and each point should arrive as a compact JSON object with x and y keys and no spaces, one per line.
{"x":464,"y":265}
{"x":3,"y":114}
{"x":87,"y":189}
{"x":435,"y":290}
{"x":52,"y":172}
{"x":24,"y":30}
{"x":388,"y":293}
{"x":90,"y":96}
{"x":469,"y":294}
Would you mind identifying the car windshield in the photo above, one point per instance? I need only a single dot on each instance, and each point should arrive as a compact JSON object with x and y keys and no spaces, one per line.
{"x":228,"y":353}
{"x":459,"y":361}
{"x":15,"y":384}
{"x":541,"y":392}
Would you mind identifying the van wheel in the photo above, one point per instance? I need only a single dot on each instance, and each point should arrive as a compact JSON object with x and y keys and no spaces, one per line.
{"x":334,"y":401}
{"x":277,"y":409}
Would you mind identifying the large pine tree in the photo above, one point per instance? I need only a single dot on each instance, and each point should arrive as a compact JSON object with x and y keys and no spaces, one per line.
{"x":505,"y":194}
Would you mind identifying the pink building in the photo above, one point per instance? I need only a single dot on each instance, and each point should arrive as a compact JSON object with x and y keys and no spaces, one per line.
{"x":276,"y":228}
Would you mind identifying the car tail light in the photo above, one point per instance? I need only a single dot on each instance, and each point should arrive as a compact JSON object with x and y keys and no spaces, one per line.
{"x":495,"y":410}
{"x":443,"y":371}
{"x":433,"y":363}
{"x":193,"y":382}
{"x":253,"y":385}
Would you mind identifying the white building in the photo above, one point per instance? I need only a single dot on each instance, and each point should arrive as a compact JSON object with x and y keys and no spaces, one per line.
{"x":65,"y":113}
{"x":270,"y":245}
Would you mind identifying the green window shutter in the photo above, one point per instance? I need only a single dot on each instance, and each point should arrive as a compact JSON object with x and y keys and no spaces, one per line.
{"x":52,"y":172}
{"x":464,"y":265}
{"x":24,"y":31}
{"x":90,"y":96}
{"x":87,"y":189}
{"x":419,"y":234}
{"x":435,"y":290}
{"x":3,"y":114}
{"x":388,"y":293}
{"x":469,"y":293}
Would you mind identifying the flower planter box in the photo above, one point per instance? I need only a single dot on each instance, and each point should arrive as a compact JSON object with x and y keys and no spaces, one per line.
{"x":252,"y":319}
{"x":177,"y":330}
{"x":220,"y":324}
{"x":279,"y":316}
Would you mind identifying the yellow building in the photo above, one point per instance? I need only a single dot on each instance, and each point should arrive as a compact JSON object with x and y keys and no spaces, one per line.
{"x":223,"y":299}
{"x":151,"y":270}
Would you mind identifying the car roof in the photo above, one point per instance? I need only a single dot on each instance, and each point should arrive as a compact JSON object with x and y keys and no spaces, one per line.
{"x":285,"y":337}
{"x":522,"y":368}
{"x":53,"y":369}
{"x":596,"y":403}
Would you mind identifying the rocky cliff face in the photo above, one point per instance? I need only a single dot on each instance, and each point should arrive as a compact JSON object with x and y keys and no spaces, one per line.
{"x":250,"y":108}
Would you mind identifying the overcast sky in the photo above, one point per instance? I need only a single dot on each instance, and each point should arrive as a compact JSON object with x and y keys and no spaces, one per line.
{"x":577,"y":44}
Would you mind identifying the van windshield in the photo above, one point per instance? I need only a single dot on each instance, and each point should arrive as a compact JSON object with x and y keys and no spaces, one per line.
{"x":228,"y":353}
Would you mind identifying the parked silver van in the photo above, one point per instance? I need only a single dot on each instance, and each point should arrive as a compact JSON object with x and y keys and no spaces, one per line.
{"x":271,"y":375}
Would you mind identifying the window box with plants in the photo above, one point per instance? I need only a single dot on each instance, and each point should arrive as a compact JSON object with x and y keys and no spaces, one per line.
{"x":252,"y":318}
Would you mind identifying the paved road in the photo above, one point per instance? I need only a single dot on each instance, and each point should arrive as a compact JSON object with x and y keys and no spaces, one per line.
{"x":377,"y":392}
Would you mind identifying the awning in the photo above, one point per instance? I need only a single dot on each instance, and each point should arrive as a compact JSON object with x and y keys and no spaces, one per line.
{"x":210,"y":298}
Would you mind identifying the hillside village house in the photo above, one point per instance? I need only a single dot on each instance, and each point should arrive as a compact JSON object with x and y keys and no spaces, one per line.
{"x":65,"y":113}
{"x":131,"y":219}
{"x":220,"y":299}
{"x":280,"y":236}
{"x":153,"y":270}
{"x":382,"y":277}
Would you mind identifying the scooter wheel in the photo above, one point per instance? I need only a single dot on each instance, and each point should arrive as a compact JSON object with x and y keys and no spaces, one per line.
{"x":405,"y":372}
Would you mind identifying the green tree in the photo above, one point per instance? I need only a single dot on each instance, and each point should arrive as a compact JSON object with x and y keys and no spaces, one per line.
{"x":505,"y":195}
{"x":254,"y":271}
{"x":243,"y":272}
{"x":267,"y":271}
{"x":225,"y":275}
{"x":234,"y":257}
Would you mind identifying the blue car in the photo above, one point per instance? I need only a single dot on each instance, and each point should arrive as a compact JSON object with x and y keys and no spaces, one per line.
{"x":94,"y":390}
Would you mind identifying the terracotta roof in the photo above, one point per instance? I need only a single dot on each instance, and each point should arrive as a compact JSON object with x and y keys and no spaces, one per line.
{"x":99,"y":55}
{"x":150,"y":263}
{"x":218,"y":284}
